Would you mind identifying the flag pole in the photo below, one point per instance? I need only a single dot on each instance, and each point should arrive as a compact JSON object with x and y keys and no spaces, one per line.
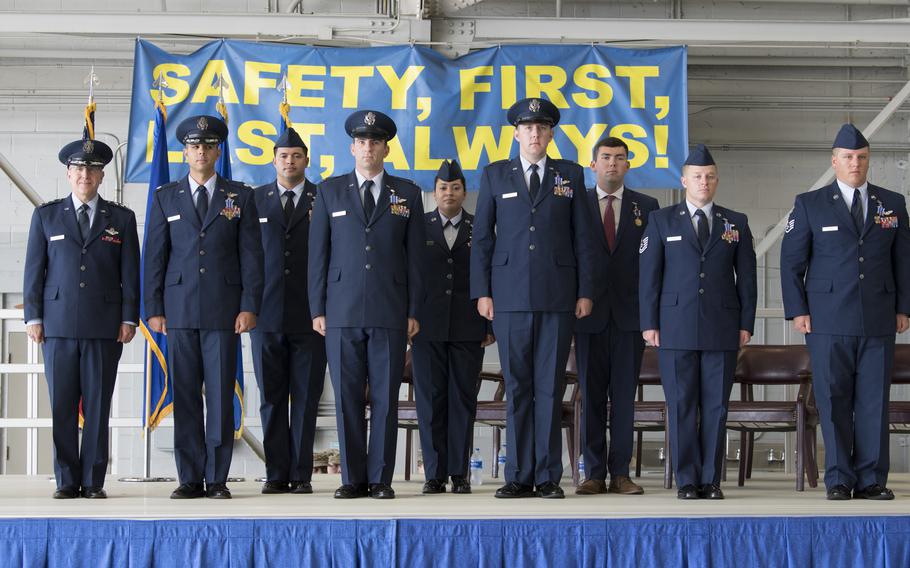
{"x":160,"y":84}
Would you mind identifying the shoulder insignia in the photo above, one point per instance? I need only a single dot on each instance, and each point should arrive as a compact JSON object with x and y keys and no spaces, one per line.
{"x":46,"y":203}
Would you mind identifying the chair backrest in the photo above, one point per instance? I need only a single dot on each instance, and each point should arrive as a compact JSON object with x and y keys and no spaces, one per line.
{"x":650,"y":371}
{"x":773,"y":364}
{"x":900,"y":371}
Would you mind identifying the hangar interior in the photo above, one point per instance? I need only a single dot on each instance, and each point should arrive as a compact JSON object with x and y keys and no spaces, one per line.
{"x":769,"y":84}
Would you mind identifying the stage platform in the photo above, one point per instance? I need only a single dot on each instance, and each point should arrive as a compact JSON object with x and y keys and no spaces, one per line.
{"x":766,"y":523}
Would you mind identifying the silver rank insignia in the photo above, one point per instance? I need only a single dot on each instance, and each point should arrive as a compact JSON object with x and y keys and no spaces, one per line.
{"x":202,"y":123}
{"x":369,"y":119}
{"x":644,"y":245}
{"x":534,"y":105}
{"x":790,"y":224}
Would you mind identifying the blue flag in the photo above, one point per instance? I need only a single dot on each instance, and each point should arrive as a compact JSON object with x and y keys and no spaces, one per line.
{"x":159,"y":398}
{"x":223,"y":168}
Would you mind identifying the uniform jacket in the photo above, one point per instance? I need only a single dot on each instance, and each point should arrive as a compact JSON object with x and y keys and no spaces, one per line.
{"x":532,"y":256}
{"x":616,"y":296}
{"x":447,"y":312}
{"x":82,"y":290}
{"x":285,"y":308}
{"x":366,"y":273}
{"x":699,"y":300}
{"x":200,"y":275}
{"x":850,"y":283}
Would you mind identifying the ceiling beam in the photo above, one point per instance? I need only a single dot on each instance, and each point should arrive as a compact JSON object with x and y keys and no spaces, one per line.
{"x":691,"y":31}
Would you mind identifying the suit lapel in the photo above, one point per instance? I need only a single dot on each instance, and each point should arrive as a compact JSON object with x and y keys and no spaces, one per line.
{"x":304,"y":204}
{"x":546,"y":183}
{"x":382,"y":205}
{"x":353,"y":197}
{"x":69,"y":220}
{"x":435,"y":230}
{"x":519,"y":184}
{"x":625,"y":217}
{"x":185,"y":203}
{"x":840,"y":208}
{"x":100,"y":222}
{"x":216,"y":204}
{"x":464,"y":229}
{"x":717,"y":226}
{"x":685,"y":227}
{"x":871,"y":206}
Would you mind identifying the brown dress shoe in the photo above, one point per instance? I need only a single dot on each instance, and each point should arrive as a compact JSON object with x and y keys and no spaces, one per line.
{"x":624,"y":486}
{"x":591,"y":487}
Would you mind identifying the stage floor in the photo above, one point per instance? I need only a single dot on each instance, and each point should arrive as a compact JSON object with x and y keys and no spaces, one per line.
{"x":765,"y":495}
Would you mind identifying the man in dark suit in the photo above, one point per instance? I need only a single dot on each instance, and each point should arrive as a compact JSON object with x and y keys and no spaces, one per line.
{"x":533,"y":259}
{"x":288,"y":356}
{"x":608,"y":343}
{"x":366,"y":239}
{"x":845,"y":274}
{"x":698,"y":295}
{"x":447,"y":355}
{"x":82,"y":302}
{"x":203,"y":287}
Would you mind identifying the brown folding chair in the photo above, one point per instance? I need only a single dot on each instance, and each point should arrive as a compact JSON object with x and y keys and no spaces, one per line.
{"x":899,"y":410}
{"x":651,"y":415}
{"x":775,"y":365}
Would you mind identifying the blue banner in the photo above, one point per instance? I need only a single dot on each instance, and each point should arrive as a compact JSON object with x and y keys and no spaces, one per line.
{"x":443,"y":108}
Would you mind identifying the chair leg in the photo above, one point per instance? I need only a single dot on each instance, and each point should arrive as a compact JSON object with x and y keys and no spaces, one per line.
{"x":800,"y":459}
{"x":668,"y":465}
{"x":573,"y":459}
{"x":749,"y":455}
{"x":742,"y":462}
{"x":812,"y":457}
{"x":408,"y":450}
{"x":638,"y":451}
{"x":497,"y":443}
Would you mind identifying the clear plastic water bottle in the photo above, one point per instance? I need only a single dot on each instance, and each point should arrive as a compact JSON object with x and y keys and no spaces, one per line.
{"x":476,"y":468}
{"x":581,"y":467}
{"x":501,"y":459}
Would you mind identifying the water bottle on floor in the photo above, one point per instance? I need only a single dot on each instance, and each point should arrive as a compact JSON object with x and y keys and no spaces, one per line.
{"x":581,"y":467}
{"x":501,"y":459}
{"x":476,"y":468}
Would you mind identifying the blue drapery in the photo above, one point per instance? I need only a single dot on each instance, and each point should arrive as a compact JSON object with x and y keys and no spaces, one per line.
{"x":658,"y":542}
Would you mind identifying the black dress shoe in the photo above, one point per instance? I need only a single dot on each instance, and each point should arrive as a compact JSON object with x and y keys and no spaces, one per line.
{"x":874,"y":492}
{"x":460,"y":484}
{"x":275,"y":487}
{"x":217,"y":491}
{"x":710,"y":491}
{"x":94,"y":493}
{"x":550,"y":490}
{"x":839,"y":493}
{"x":434,"y":486}
{"x":301,"y":487}
{"x":515,"y":490}
{"x":349,"y":491}
{"x":66,"y":493}
{"x":687,"y":492}
{"x":381,"y":491}
{"x":188,"y":491}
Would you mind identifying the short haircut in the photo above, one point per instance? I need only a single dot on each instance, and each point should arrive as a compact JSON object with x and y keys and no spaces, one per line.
{"x":306,"y":151}
{"x":609,"y":142}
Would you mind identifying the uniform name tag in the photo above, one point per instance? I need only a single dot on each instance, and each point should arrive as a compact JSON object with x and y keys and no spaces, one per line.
{"x":339,"y":213}
{"x":263,"y":219}
{"x":676,"y":238}
{"x":510,"y":195}
{"x":173,"y":218}
{"x":828,"y":229}
{"x":58,"y":237}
